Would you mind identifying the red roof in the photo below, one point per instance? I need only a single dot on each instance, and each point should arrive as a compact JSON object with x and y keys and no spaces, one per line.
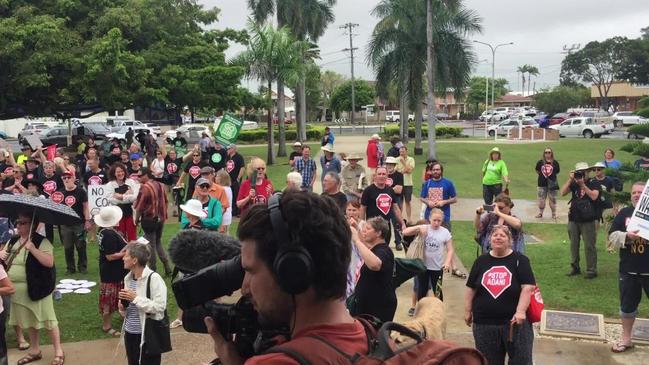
{"x":509,"y":98}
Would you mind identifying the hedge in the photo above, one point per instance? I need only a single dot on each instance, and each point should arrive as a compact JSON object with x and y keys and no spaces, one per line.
{"x":442,"y":131}
{"x":261,"y":134}
{"x":644,"y":112}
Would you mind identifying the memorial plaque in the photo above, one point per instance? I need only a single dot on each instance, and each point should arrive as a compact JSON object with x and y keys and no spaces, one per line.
{"x":572,"y":324}
{"x":641,"y":331}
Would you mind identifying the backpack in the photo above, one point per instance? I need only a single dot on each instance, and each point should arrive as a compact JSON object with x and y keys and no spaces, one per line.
{"x":315,"y":350}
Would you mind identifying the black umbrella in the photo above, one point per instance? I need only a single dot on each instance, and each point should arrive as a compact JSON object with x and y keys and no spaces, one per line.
{"x":44,"y":209}
{"x":404,"y":269}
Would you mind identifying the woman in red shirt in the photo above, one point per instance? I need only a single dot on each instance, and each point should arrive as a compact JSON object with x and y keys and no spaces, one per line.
{"x":372,"y":152}
{"x":257,"y":188}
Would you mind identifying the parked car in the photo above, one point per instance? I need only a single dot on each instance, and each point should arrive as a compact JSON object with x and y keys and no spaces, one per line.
{"x":32,"y":128}
{"x":581,"y":126}
{"x":287,"y":120}
{"x":59,"y":135}
{"x":493,"y":117}
{"x":121,"y":133}
{"x":186,"y":129}
{"x":155,"y":128}
{"x":508,"y":124}
{"x":99,"y":129}
{"x":621,"y":119}
{"x":602,"y":117}
{"x":560,"y":117}
{"x":118,"y":124}
{"x":629,"y":135}
{"x":394,"y":116}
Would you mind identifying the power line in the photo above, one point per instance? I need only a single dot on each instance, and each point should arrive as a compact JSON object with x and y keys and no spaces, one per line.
{"x":349,"y":27}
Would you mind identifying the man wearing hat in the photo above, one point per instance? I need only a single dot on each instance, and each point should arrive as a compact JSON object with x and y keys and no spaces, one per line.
{"x":354,"y":178}
{"x":395,"y":181}
{"x":607,"y":186}
{"x":582,"y":218}
{"x":328,"y":137}
{"x":297,"y":152}
{"x":216,"y":191}
{"x":494,"y":174}
{"x":33,"y":170}
{"x":328,"y":161}
{"x":135,"y":166}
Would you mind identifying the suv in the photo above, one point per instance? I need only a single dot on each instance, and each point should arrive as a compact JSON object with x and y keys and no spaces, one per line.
{"x":394,"y":116}
{"x":602,"y":117}
{"x":118,"y":124}
{"x":59,"y":135}
{"x":581,"y":126}
{"x":30,"y":129}
{"x":621,"y":119}
{"x":99,"y":129}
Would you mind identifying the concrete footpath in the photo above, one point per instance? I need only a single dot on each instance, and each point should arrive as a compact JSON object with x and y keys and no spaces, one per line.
{"x":196,"y":349}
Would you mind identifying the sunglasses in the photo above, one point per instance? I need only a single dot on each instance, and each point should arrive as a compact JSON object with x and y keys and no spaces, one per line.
{"x":204,"y":186}
{"x":547,"y":152}
{"x":261,"y":168}
{"x":598,"y":169}
{"x":197,"y":155}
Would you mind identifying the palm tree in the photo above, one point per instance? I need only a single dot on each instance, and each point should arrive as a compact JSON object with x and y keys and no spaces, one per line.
{"x":523,"y":71}
{"x":398,"y":53}
{"x":446,"y":20}
{"x":531,"y":70}
{"x":307,"y":19}
{"x":272,"y":54}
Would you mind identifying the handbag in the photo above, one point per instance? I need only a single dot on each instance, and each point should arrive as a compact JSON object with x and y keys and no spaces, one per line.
{"x":536,"y":306}
{"x":157,"y":338}
{"x":416,"y":249}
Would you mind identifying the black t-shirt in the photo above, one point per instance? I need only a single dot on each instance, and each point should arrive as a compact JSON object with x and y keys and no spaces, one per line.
{"x":233,"y":166}
{"x":52,"y":184}
{"x":127,"y":209}
{"x":110,"y":242}
{"x":546,"y":171}
{"x":378,"y":202}
{"x":216,"y":159}
{"x":293,"y":155}
{"x":6,"y":168}
{"x":340,"y":198}
{"x":394,"y":179}
{"x":578,"y":194}
{"x":173,"y":167}
{"x":110,"y":160}
{"x":605,"y":185}
{"x":95,"y":178}
{"x":374,"y":290}
{"x":179,"y":142}
{"x":497,"y":283}
{"x":634,"y":256}
{"x":36,"y":174}
{"x":193,"y":171}
{"x":73,"y":199}
{"x":393,"y":152}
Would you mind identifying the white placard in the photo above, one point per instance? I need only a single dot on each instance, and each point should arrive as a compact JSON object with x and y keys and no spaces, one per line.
{"x":640,"y":219}
{"x":98,"y":197}
{"x":33,"y":141}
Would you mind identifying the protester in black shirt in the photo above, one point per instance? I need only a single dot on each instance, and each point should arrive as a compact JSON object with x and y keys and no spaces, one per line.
{"x":33,"y":170}
{"x":498,"y":293}
{"x":111,"y":268}
{"x":140,"y":137}
{"x":374,"y":293}
{"x":51,"y":180}
{"x":396,"y":146}
{"x":216,"y":157}
{"x":136,"y":165}
{"x":331,"y":189}
{"x":634,"y":267}
{"x":547,"y":169}
{"x":124,"y":158}
{"x":395,"y":181}
{"x":179,"y":143}
{"x":297,"y":152}
{"x":74,"y":236}
{"x":193,"y":172}
{"x":379,"y":200}
{"x":129,"y":137}
{"x":234,"y":165}
{"x":113,"y":157}
{"x":94,"y":175}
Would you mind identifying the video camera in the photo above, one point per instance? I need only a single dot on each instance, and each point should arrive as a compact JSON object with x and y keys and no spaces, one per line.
{"x":195,"y":293}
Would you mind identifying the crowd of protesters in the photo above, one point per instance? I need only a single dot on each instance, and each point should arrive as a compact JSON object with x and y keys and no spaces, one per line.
{"x":206,"y":185}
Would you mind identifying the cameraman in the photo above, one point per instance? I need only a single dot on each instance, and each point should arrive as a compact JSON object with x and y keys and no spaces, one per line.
{"x":316,"y":224}
{"x":582,"y":218}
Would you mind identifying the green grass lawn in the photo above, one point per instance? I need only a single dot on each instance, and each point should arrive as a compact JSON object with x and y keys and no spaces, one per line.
{"x":551,"y":261}
{"x":463,"y":162}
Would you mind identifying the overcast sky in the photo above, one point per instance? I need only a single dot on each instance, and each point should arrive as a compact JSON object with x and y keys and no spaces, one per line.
{"x":539,"y":30}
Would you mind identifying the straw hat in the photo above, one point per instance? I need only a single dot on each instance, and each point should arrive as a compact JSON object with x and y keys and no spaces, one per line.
{"x":194,"y":207}
{"x":297,"y":144}
{"x":108,"y":216}
{"x":328,"y":148}
{"x":599,"y":164}
{"x":354,"y":156}
{"x":391,"y":160}
{"x":581,"y":166}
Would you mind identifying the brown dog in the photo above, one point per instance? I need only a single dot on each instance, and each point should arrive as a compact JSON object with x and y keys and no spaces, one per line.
{"x":429,"y":320}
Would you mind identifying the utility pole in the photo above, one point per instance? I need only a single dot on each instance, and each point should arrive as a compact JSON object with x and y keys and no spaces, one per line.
{"x":493,"y":66}
{"x":349,"y":27}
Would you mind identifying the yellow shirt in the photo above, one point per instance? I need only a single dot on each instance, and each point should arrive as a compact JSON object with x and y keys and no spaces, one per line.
{"x":401,"y":165}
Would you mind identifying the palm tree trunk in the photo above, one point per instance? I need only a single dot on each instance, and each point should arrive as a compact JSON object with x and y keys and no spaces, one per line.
{"x":418,"y":122}
{"x":270,"y":156}
{"x":529,"y":82}
{"x":430,"y":77}
{"x":403,"y":118}
{"x":281,"y":150}
{"x":301,"y":90}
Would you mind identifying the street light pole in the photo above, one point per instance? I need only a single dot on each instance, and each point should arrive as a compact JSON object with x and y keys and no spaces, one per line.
{"x":493,"y":67}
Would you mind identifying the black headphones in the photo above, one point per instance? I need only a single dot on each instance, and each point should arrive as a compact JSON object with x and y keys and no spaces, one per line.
{"x":293,"y":266}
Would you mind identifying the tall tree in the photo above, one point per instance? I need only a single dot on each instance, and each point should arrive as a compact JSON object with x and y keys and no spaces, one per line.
{"x":330,"y":81}
{"x":398,"y":52}
{"x":341,"y":98}
{"x":477,"y":90}
{"x":307,"y":19}
{"x":598,"y":63}
{"x":531,"y":71}
{"x":271,"y":54}
{"x":523,"y":71}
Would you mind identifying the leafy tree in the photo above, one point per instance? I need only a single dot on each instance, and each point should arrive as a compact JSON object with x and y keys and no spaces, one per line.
{"x":561,"y":98}
{"x":599,"y":63}
{"x":397,"y":52}
{"x":330,"y":80}
{"x":341,"y":98}
{"x":477,"y":90}
{"x":636,"y":62}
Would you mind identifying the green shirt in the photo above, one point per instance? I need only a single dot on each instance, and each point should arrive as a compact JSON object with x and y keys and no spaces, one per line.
{"x":494,"y":171}
{"x":410,"y":162}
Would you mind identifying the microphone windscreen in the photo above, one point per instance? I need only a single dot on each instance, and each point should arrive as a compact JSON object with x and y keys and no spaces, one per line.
{"x":192,"y":250}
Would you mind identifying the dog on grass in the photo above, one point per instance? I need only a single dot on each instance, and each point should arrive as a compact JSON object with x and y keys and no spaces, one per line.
{"x":429,"y":320}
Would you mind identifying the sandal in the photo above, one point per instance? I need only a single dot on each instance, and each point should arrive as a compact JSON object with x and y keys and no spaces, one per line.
{"x":58,"y":360}
{"x":112,"y":332}
{"x":30,"y":358}
{"x":540,"y":215}
{"x":24,"y":345}
{"x":458,"y":273}
{"x":620,"y":347}
{"x":176,"y":323}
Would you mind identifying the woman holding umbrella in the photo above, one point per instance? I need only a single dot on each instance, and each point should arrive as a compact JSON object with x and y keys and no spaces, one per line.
{"x":30,"y":259}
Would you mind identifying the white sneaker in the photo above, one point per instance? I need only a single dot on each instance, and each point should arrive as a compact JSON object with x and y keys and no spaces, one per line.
{"x":176,"y":323}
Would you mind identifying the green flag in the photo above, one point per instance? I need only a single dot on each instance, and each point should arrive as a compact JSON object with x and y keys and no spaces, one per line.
{"x":228,"y":130}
